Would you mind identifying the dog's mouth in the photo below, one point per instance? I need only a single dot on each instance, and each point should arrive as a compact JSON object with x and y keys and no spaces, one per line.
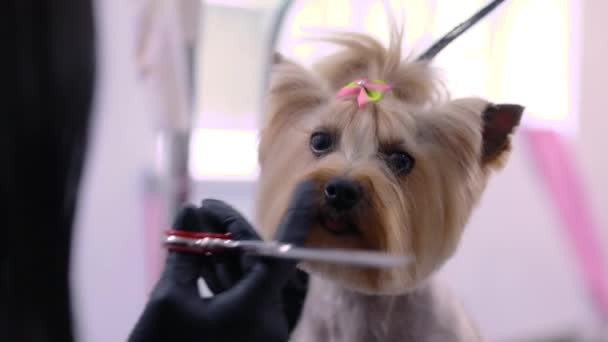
{"x":338,"y":224}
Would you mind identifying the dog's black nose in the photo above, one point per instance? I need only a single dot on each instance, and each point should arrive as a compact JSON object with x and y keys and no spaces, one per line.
{"x":342,"y":194}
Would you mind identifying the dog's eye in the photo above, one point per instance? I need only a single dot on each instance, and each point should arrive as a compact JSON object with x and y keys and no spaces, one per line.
{"x":321,"y":142}
{"x":400,"y":162}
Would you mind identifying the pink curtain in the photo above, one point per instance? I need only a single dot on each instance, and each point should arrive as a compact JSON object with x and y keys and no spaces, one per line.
{"x":557,"y":168}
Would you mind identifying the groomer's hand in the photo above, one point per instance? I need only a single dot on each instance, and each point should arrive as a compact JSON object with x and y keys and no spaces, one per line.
{"x":255,"y":299}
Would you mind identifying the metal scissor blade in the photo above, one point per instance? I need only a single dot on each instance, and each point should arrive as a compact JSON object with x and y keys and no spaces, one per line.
{"x":334,"y":256}
{"x":345,"y":257}
{"x":287,"y":251}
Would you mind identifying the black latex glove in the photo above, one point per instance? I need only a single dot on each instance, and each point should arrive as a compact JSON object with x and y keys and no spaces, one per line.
{"x":256,"y":299}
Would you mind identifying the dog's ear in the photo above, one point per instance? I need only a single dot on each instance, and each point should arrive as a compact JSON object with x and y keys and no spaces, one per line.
{"x":457,"y":121}
{"x":499,"y":122}
{"x":293,"y":90}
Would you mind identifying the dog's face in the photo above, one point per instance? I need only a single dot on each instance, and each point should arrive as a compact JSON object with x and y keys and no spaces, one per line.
{"x":399,"y":176}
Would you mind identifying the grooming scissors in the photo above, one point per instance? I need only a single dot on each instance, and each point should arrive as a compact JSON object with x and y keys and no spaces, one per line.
{"x":209,"y":243}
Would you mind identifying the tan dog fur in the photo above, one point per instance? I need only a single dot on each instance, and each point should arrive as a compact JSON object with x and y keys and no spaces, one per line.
{"x":422,"y":214}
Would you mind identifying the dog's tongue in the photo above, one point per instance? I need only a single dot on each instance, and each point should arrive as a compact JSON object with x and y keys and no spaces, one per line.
{"x":333,"y":224}
{"x":336,"y":225}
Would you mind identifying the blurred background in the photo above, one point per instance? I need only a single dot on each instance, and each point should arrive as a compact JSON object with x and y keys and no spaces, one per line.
{"x":178,"y":105}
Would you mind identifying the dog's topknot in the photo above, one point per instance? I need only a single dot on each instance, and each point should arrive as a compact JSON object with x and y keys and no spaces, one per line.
{"x":362,"y":56}
{"x":294,"y":89}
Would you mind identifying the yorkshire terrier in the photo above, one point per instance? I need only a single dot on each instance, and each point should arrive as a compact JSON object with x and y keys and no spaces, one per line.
{"x":399,"y":168}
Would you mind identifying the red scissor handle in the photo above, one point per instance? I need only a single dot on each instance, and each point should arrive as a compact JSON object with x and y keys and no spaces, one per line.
{"x":194,"y":235}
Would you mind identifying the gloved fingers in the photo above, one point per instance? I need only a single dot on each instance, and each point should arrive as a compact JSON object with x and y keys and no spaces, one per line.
{"x":187,"y":220}
{"x":300,"y":213}
{"x":294,"y":294}
{"x":267,"y":276}
{"x":230,"y":267}
{"x":254,"y":290}
{"x":222,"y":271}
{"x":214,"y":216}
{"x":228,"y":271}
{"x":227,"y":219}
{"x":185,"y":277}
{"x":183,"y":269}
{"x":222,"y":218}
{"x":208,"y":272}
{"x":179,"y":276}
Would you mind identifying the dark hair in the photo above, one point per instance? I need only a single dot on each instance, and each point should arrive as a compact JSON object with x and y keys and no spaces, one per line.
{"x":49,"y":71}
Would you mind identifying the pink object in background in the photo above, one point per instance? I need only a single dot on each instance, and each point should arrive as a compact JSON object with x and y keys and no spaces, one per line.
{"x":153,"y":220}
{"x":557,"y":168}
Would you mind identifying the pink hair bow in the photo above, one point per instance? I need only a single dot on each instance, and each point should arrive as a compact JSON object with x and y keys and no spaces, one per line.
{"x":365,"y":90}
